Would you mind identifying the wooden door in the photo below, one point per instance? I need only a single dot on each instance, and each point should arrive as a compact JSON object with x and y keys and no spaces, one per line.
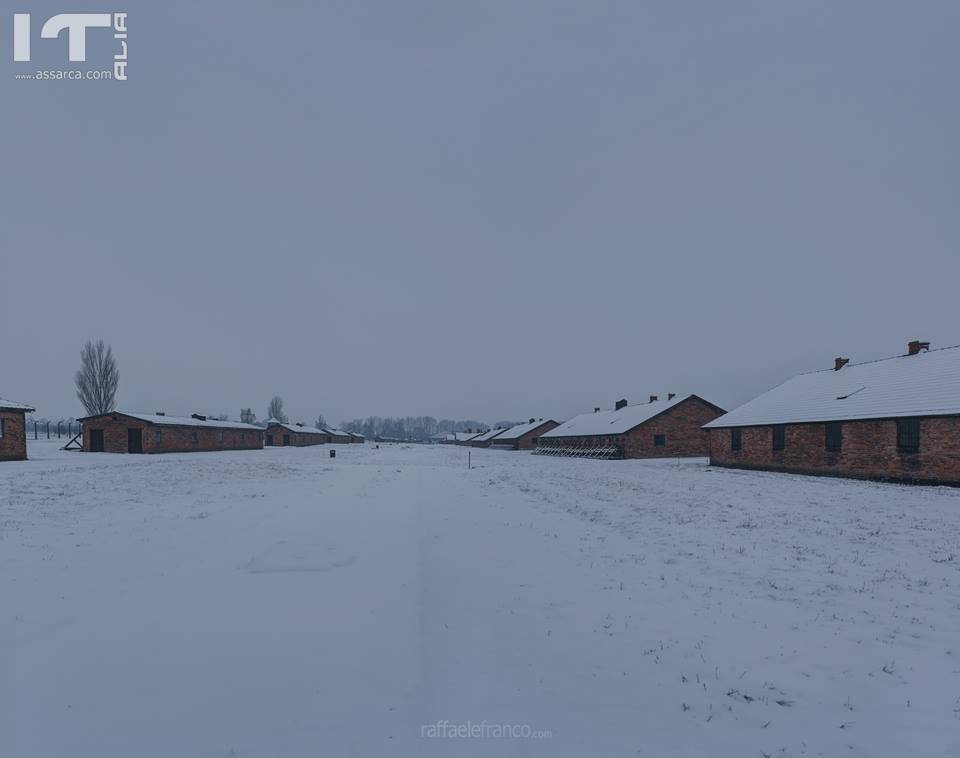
{"x":96,"y":440}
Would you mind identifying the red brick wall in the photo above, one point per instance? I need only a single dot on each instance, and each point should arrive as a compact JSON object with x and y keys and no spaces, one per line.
{"x":173,"y":439}
{"x":682,"y":427}
{"x":869,"y":451}
{"x":13,"y":444}
{"x":297,"y":439}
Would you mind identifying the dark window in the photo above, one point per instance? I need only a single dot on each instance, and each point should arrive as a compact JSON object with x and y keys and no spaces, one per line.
{"x":736,"y":439}
{"x":195,"y":437}
{"x":908,"y":435}
{"x":779,"y":437}
{"x":3,"y":427}
{"x":158,"y":436}
{"x":834,"y":436}
{"x":659,"y":440}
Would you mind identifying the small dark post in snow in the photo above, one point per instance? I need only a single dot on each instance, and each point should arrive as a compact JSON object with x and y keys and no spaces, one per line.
{"x":469,"y":463}
{"x":333,"y":453}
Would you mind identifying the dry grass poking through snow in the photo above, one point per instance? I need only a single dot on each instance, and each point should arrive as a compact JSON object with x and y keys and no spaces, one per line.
{"x":826,"y":610}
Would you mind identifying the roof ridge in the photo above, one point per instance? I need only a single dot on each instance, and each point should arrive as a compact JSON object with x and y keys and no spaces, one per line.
{"x":676,"y":397}
{"x":876,"y":360}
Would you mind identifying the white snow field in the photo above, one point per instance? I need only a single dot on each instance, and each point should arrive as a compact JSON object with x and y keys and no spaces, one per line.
{"x":391,"y":602}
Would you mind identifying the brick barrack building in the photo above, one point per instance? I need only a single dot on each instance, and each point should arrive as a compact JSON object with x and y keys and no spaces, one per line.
{"x":486,"y":439}
{"x":13,"y":430}
{"x":121,"y":432}
{"x":896,"y":419}
{"x":295,"y":435}
{"x":341,"y":437}
{"x":522,"y":436}
{"x":459,"y":438}
{"x":670,"y":428}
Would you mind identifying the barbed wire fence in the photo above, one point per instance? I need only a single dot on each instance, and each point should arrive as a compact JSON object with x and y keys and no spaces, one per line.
{"x":52,"y":430}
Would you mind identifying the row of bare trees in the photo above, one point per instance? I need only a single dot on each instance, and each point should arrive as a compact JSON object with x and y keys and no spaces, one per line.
{"x":413,"y":428}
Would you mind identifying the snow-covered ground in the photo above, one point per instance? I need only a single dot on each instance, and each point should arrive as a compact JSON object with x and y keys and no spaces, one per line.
{"x":278,"y":603}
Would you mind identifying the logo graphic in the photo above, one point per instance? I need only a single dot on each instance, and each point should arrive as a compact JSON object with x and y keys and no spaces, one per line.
{"x":76,"y":25}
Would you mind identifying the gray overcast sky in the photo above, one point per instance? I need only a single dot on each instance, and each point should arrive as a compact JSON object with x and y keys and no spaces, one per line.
{"x":486,"y":209}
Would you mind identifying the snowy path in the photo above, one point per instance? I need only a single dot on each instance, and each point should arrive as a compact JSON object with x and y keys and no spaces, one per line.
{"x":278,"y":603}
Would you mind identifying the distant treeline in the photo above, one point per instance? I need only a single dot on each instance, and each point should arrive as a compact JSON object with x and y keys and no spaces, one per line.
{"x":414,"y":428}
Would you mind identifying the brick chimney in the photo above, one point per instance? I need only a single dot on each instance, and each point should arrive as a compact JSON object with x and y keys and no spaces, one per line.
{"x":198,"y":417}
{"x":839,"y":363}
{"x":596,"y":410}
{"x":671,"y":395}
{"x":653,"y":398}
{"x":914,"y":347}
{"x":161,"y":413}
{"x":620,"y":404}
{"x":532,"y":420}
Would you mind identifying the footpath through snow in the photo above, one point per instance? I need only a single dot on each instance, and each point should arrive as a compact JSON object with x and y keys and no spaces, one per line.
{"x":393,"y":602}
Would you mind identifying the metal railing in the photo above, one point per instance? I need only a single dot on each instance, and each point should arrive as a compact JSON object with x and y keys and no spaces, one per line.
{"x":604,"y":452}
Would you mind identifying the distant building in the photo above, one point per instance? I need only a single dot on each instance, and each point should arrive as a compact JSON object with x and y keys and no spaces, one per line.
{"x":670,"y":428}
{"x":339,"y":437}
{"x":459,"y":438}
{"x":523,"y":436}
{"x":357,"y":438}
{"x":896,"y":419}
{"x":121,"y":432}
{"x":13,"y":430}
{"x":278,"y":434}
{"x":485,"y":439}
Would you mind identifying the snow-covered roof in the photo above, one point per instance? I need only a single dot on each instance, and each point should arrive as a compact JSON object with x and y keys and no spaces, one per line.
{"x":516,"y":432}
{"x":153,"y":418}
{"x":613,"y":422}
{"x":9,"y":405}
{"x":338,"y":432}
{"x":487,"y":436}
{"x":299,"y":429}
{"x":461,"y":436}
{"x":927,"y":384}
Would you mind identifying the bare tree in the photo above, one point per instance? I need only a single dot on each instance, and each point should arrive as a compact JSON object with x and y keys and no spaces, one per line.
{"x":275,"y":410}
{"x":321,"y":422}
{"x":98,"y":378}
{"x":247,"y":416}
